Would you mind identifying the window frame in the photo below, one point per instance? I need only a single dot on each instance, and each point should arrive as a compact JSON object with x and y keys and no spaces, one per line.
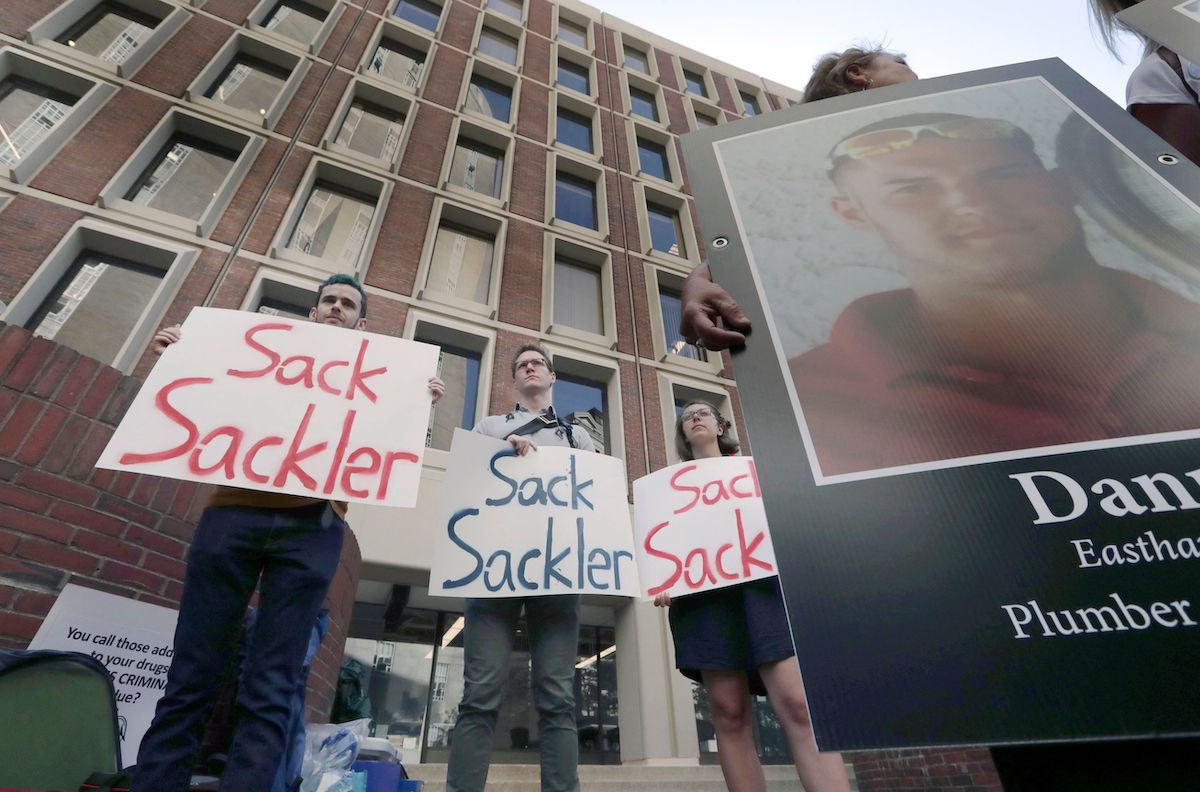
{"x":576,"y":362}
{"x":586,"y":171}
{"x":89,"y":94}
{"x":477,"y":220}
{"x":632,"y":81}
{"x":435,"y":31}
{"x":657,"y":275}
{"x":371,"y":93}
{"x":521,"y":20}
{"x":488,"y":136}
{"x":179,"y":122}
{"x":505,"y":26}
{"x":684,"y":67}
{"x":579,"y":20}
{"x":698,"y":105}
{"x":493,"y":73}
{"x":668,"y":383}
{"x":741,"y":90}
{"x":578,"y":58}
{"x":625,"y":40}
{"x":386,"y":29}
{"x":573,"y":103}
{"x":679,"y":202}
{"x":637,"y":130}
{"x":44,"y":32}
{"x":269,"y":282}
{"x":556,"y":247}
{"x":174,"y":259}
{"x":333,"y":12}
{"x":243,"y":43}
{"x":340,"y":175}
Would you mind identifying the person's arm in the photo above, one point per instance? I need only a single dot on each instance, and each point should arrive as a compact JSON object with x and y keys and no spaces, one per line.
{"x":705,"y":308}
{"x":164,"y":338}
{"x":1178,"y":124}
{"x":437,"y":388}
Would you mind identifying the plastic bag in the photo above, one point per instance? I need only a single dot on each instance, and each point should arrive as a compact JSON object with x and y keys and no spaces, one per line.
{"x":329,"y":751}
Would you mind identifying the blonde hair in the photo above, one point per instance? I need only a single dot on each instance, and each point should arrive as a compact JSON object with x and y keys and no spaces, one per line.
{"x":1104,"y":15}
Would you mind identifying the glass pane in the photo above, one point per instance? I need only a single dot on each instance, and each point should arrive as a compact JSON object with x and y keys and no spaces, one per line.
{"x":249,"y":84}
{"x":572,"y":75}
{"x":510,"y":8}
{"x":489,"y":98}
{"x":643,"y":104}
{"x":750,"y":104}
{"x":447,"y":690}
{"x":574,"y":130}
{"x":372,"y":130}
{"x":459,"y":368}
{"x":670,"y":302}
{"x":694,"y":83}
{"x":498,"y":45}
{"x":584,"y":401}
{"x":610,"y":736}
{"x":578,"y":296}
{"x":420,"y":12}
{"x":274,"y":307}
{"x":653,"y":159}
{"x":110,"y":32}
{"x":295,"y":19}
{"x":461,"y":265}
{"x":334,"y":225}
{"x":184,"y":177}
{"x":571,"y":33}
{"x":575,"y":200}
{"x":772,"y":742}
{"x":477,"y":167}
{"x":395,"y":61}
{"x":637,"y":61}
{"x":703,"y":121}
{"x":706,"y":735}
{"x":28,"y":112}
{"x":96,"y":304}
{"x":664,"y":229}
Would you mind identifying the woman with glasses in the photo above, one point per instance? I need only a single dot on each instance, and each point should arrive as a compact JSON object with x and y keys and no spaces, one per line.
{"x":735,"y":641}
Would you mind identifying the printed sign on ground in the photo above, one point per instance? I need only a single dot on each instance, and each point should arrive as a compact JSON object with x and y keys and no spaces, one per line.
{"x":134,"y":641}
{"x":700,"y":525}
{"x":270,"y":403}
{"x":555,"y":521}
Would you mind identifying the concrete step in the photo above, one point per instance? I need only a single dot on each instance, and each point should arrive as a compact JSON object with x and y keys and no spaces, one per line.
{"x":613,"y":778}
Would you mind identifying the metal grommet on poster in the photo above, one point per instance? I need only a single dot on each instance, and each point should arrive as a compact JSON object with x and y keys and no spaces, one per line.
{"x":1168,"y":159}
{"x":720,"y":242}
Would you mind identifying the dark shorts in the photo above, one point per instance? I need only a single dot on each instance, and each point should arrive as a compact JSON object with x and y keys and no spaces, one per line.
{"x":737,"y":628}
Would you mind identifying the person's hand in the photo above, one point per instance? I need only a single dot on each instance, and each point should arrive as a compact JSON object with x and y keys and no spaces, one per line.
{"x":165,"y":337}
{"x":437,"y":388}
{"x":705,"y":308}
{"x":522,"y":445}
{"x":662,"y":600}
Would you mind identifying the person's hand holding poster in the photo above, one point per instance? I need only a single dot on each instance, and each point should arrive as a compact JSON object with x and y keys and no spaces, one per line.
{"x":553,"y":521}
{"x":700,"y":525}
{"x":269,"y":403}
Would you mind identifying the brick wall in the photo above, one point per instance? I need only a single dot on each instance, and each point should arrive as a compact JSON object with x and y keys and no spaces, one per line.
{"x":962,"y":769}
{"x":64,"y":521}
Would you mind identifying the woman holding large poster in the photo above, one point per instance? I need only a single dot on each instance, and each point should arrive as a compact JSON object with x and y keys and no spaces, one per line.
{"x":736,"y":641}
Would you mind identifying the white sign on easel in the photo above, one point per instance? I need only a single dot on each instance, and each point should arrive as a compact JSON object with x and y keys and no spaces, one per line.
{"x":555,"y":521}
{"x":134,"y":641}
{"x":700,"y":525}
{"x":276,"y":404}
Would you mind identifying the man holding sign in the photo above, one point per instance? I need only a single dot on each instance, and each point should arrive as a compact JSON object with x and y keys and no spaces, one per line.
{"x":491,"y":623}
{"x":293,"y":543}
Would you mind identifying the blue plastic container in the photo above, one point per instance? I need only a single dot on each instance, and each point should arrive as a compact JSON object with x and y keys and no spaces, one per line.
{"x":381,"y":776}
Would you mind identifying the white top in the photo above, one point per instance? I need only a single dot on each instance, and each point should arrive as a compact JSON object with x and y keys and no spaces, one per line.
{"x":1155,"y":82}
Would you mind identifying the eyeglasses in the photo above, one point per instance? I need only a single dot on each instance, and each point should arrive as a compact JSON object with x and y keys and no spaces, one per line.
{"x":886,"y":141}
{"x":532,"y":363}
{"x":700,"y":412}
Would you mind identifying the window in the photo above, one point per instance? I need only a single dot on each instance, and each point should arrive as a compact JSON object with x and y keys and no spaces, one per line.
{"x":372,"y":130}
{"x":110,"y":32}
{"x":397,"y":61}
{"x":572,"y":33}
{"x":459,"y":368}
{"x":575,"y":130}
{"x":666,"y":234}
{"x":575,"y":200}
{"x":249,"y":84}
{"x":489,"y":98}
{"x":574,"y":76}
{"x":29,"y":112}
{"x":636,"y":60}
{"x":578,"y":296}
{"x":750,"y":104}
{"x":643,"y":103}
{"x":704,"y":120}
{"x":461,"y":263}
{"x":498,"y":45}
{"x":670,"y":303}
{"x":652,"y":158}
{"x":509,"y":8}
{"x":584,"y":401}
{"x":478,"y":167}
{"x":694,"y":83}
{"x":333,"y":225}
{"x":422,"y":13}
{"x":184,"y":178}
{"x":296,"y":20}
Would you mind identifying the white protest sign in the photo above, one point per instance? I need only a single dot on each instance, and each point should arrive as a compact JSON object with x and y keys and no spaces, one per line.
{"x":134,"y":641}
{"x":555,"y":521}
{"x":270,"y":403}
{"x":700,"y":525}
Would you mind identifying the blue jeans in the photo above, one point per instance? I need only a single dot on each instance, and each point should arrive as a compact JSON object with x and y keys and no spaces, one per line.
{"x":490,"y":625}
{"x":296,"y":552}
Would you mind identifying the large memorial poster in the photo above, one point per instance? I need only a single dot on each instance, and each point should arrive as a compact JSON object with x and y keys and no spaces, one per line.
{"x":554,"y":521}
{"x":972,"y":380}
{"x":134,"y":641}
{"x":700,"y":525}
{"x":271,"y":403}
{"x":1173,"y":23}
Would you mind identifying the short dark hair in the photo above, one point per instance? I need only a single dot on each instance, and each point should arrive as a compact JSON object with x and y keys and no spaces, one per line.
{"x":727,"y":443}
{"x":532,"y":346}
{"x":345,"y":280}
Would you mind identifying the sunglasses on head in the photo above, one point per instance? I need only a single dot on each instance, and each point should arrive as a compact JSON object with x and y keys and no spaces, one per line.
{"x":885,"y":141}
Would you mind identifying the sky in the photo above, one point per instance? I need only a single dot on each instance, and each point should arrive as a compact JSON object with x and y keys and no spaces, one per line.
{"x":781,"y":39}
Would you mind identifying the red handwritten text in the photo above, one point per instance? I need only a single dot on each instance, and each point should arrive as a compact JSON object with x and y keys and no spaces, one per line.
{"x":744,"y":485}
